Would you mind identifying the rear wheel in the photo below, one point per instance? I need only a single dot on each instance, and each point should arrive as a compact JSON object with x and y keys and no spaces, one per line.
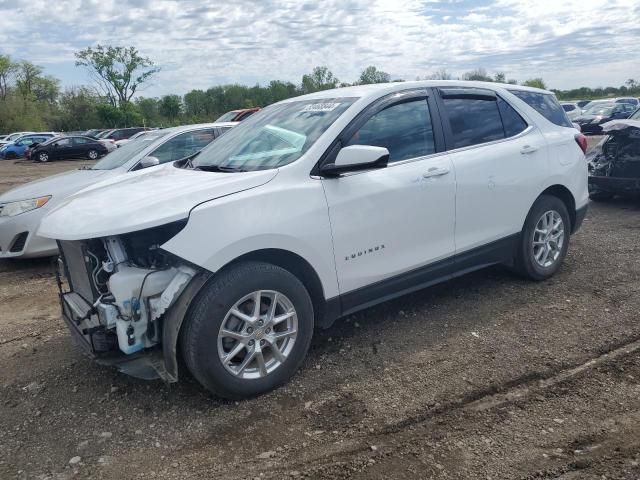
{"x":545,"y":239}
{"x":248,"y":331}
{"x":43,"y":157}
{"x":92,"y":154}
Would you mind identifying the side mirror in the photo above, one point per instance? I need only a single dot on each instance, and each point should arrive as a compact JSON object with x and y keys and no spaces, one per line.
{"x":147,"y":162}
{"x":56,"y":145}
{"x":357,"y":157}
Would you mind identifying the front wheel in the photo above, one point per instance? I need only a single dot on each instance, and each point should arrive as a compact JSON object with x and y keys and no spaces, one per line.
{"x":43,"y":157}
{"x":544,"y":240}
{"x":92,"y":154}
{"x":248,"y":330}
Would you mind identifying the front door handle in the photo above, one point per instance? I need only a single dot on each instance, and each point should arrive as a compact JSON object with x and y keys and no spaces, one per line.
{"x":528,"y":149}
{"x":436,"y":172}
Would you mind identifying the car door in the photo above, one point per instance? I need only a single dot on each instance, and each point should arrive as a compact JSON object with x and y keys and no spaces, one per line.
{"x":62,"y":148}
{"x":391,"y":221}
{"x":500,"y":163}
{"x":80,"y":147}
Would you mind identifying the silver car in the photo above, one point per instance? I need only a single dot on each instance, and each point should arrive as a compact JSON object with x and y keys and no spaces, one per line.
{"x":22,"y":207}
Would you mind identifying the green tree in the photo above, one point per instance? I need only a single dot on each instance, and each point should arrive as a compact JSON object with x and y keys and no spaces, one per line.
{"x":27,"y":76}
{"x":535,"y":82}
{"x":372,"y":75}
{"x":119,"y":72}
{"x":78,"y":110}
{"x":479,"y":74}
{"x":441,"y":74}
{"x":320,"y":79}
{"x":170,"y":107}
{"x":500,"y":77}
{"x":7,"y":71}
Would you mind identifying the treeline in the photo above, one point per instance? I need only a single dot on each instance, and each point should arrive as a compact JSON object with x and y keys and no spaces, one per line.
{"x":32,"y":100}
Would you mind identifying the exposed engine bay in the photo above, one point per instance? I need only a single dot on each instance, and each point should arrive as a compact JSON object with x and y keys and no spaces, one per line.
{"x":119,"y":288}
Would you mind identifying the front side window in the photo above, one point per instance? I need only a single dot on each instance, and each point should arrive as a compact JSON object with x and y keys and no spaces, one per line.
{"x":273,"y":137}
{"x":546,"y":105}
{"x":404,"y":129}
{"x":183,"y":145}
{"x":473,"y":120}
{"x":65,"y":142}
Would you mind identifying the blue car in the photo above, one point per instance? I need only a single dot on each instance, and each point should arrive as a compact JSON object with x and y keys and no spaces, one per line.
{"x":17,"y":148}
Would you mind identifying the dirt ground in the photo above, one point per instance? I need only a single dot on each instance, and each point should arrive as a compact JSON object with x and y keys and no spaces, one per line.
{"x":487,"y":376}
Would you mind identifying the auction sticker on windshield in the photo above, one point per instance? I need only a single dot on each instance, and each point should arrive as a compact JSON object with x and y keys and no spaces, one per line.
{"x":320,"y":107}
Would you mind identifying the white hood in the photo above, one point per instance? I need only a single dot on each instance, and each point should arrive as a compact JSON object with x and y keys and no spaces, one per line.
{"x":142,"y":200}
{"x":58,"y":186}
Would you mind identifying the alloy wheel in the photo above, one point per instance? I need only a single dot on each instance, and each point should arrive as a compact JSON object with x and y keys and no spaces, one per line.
{"x":258,"y":334}
{"x":548,"y":239}
{"x":93,"y":154}
{"x":43,"y":157}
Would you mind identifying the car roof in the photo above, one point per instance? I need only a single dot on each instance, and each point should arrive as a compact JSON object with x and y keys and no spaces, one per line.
{"x":379,"y":89}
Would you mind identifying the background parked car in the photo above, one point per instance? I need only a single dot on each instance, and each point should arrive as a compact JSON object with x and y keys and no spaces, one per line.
{"x":237,"y":115}
{"x":124,"y":141}
{"x":592,"y":118}
{"x":93,"y":133}
{"x":17,"y":149}
{"x":582,"y":103}
{"x":31,"y":201}
{"x":573,"y":109}
{"x":68,"y":147}
{"x":614,"y":165}
{"x":110,"y":137}
{"x":12,"y":137}
{"x":632,"y":100}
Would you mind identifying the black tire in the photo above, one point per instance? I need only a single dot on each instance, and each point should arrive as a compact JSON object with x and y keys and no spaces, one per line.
{"x":525,"y":263}
{"x":199,"y":335}
{"x":43,"y":157}
{"x":600,"y":196}
{"x":93,"y":155}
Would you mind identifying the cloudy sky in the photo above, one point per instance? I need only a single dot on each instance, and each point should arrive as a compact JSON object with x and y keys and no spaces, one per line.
{"x":200,"y":43}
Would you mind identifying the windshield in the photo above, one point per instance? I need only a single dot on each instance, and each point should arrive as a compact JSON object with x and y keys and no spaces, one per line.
{"x":602,"y":109}
{"x":122,"y":155}
{"x":273,"y":137}
{"x":227,"y":117}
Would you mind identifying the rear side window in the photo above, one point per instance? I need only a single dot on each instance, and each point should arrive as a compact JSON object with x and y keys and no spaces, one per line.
{"x":546,"y":105}
{"x":404,"y":129}
{"x":511,"y":120}
{"x":473,"y":120}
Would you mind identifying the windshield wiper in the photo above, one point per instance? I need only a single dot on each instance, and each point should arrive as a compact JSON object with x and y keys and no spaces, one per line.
{"x":218,"y":168}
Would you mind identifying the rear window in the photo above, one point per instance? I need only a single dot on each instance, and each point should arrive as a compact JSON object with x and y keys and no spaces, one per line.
{"x":473,"y":121}
{"x":546,"y":105}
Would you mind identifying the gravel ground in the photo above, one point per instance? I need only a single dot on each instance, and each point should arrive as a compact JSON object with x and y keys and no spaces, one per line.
{"x":487,"y":376}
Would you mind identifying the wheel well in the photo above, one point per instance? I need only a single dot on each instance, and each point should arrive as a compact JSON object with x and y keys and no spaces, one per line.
{"x":566,"y":196}
{"x":299,"y":267}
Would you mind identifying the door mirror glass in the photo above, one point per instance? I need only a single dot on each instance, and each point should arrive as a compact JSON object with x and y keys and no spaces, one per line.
{"x":357,"y":157}
{"x":149,"y":162}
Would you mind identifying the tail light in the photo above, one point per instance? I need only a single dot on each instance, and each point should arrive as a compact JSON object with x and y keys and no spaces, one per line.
{"x":581,"y":140}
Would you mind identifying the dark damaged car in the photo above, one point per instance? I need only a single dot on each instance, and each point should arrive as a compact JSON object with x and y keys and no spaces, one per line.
{"x":614,"y":165}
{"x":592,"y":119}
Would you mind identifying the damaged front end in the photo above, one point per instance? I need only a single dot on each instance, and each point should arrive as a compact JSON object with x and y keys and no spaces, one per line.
{"x":614,"y":166}
{"x":118,"y":295}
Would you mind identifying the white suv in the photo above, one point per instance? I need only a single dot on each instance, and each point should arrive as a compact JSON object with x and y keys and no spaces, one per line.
{"x":314,"y":208}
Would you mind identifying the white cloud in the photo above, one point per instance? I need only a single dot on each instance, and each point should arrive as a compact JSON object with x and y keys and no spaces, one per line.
{"x":202,"y":43}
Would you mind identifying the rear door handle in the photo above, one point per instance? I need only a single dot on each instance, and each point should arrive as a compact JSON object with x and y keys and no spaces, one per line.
{"x":436,"y":172}
{"x":528,"y":149}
